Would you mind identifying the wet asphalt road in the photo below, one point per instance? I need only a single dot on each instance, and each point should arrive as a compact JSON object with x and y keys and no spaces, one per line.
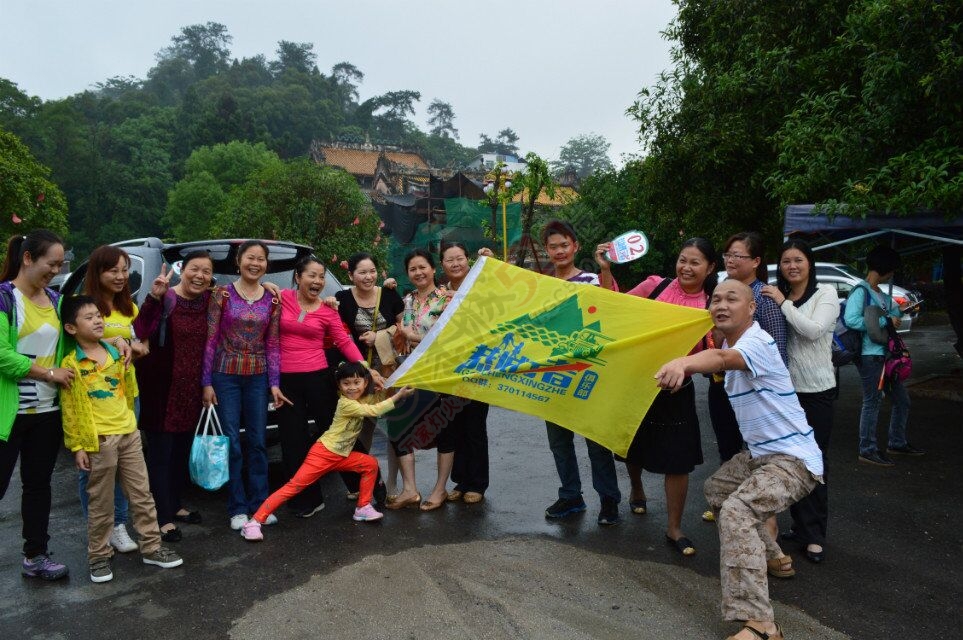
{"x":892,"y":569}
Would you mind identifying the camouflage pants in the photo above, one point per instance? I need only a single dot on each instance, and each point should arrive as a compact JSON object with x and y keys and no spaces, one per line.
{"x":745,"y":492}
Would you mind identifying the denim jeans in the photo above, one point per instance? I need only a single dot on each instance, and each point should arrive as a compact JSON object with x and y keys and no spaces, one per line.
{"x":562,"y":443}
{"x":244,"y":397}
{"x":870,"y":368}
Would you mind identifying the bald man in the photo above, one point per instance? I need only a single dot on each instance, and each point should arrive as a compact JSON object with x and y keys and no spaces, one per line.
{"x":781,"y":466}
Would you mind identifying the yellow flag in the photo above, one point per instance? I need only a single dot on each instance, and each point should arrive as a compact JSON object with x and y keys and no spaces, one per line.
{"x":577,"y":355}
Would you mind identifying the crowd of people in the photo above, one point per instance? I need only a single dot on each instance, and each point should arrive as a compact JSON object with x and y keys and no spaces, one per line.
{"x":94,"y":371}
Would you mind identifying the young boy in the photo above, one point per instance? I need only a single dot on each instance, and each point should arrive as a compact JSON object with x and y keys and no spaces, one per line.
{"x":561,"y":244}
{"x":101,"y":431}
{"x":333,"y":450}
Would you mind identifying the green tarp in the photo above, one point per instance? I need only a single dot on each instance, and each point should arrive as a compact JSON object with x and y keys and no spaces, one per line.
{"x":466,"y":221}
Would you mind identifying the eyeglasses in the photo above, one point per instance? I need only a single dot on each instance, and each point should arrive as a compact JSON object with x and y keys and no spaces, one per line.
{"x":735,"y":256}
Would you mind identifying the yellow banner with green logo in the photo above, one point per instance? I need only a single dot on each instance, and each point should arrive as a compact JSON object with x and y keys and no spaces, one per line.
{"x":576,"y":355}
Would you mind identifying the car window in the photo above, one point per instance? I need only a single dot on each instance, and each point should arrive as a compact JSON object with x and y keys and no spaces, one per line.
{"x":848,"y":270}
{"x":843,"y":289}
{"x":136,"y":275}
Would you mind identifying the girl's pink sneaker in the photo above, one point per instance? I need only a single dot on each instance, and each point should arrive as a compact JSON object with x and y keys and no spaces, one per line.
{"x":251,"y":531}
{"x":367,"y":513}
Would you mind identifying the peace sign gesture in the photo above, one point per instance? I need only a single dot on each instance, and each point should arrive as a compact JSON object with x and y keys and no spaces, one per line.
{"x":161,"y":283}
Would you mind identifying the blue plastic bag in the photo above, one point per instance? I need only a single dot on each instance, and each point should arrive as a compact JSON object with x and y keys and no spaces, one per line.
{"x":209,"y":452}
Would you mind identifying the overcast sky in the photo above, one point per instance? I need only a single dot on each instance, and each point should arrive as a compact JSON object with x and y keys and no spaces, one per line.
{"x":548,"y":69}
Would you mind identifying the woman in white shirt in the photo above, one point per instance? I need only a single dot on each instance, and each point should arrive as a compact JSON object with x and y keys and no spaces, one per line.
{"x":811,"y":310}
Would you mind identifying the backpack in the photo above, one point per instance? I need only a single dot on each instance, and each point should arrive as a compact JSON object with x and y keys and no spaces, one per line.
{"x":847,"y":343}
{"x":897,"y":366}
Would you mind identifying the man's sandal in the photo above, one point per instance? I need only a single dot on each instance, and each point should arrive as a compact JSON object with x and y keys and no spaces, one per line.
{"x":762,"y":635}
{"x":780,"y":567}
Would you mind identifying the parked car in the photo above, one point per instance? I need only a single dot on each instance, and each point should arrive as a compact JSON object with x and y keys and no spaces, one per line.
{"x":844,"y":278}
{"x":148,"y":254}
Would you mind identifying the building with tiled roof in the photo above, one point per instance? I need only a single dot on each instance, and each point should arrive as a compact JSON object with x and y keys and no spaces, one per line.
{"x":377,"y":168}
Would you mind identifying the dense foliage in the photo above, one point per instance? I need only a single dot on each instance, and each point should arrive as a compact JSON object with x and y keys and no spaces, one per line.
{"x":28,"y":199}
{"x":120,"y":150}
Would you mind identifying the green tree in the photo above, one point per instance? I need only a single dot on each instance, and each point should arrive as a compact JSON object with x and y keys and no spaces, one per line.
{"x":611,"y":203}
{"x":888,"y":136}
{"x":506,"y":142}
{"x":708,"y":123}
{"x":346,"y":78}
{"x":28,"y":199}
{"x":301,"y":201}
{"x":530,"y":183}
{"x":586,"y":153}
{"x":441,"y":119}
{"x":294,"y":56}
{"x":211,"y":174}
{"x":205,"y":47}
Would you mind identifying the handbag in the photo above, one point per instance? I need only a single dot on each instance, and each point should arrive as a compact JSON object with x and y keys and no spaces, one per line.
{"x":898,"y":365}
{"x":209,"y":452}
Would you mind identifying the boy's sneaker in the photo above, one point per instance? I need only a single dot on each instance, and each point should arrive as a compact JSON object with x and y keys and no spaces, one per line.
{"x":875,"y":458}
{"x":906,"y":450}
{"x":251,"y":531}
{"x":564,"y":507}
{"x":100,"y":570}
{"x":121,"y":540}
{"x":163,"y":558}
{"x":43,"y":567}
{"x":271,"y":519}
{"x":238,"y":521}
{"x":609,"y":514}
{"x":367,"y":513}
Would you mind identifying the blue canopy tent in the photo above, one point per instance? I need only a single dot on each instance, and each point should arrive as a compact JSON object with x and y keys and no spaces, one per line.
{"x":931,"y":229}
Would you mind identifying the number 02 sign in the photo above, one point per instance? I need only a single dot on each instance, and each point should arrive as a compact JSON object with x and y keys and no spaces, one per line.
{"x":628,"y":246}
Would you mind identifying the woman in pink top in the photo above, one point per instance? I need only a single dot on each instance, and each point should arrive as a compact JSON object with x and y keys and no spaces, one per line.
{"x":306,"y":380}
{"x":668,"y":441}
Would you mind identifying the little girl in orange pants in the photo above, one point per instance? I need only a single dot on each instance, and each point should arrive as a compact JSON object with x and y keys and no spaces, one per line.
{"x":332,"y":451}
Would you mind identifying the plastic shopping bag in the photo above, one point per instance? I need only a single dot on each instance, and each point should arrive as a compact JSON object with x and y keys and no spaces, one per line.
{"x":209,"y":452}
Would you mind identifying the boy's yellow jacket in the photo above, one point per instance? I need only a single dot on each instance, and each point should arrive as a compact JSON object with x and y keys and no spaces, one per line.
{"x":80,"y":429}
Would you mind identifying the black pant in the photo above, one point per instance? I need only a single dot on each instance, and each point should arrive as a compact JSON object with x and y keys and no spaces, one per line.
{"x":724,"y":424}
{"x":168,"y":455}
{"x":810,"y":515}
{"x":35,"y":439}
{"x":470,"y":469}
{"x":314,"y":397}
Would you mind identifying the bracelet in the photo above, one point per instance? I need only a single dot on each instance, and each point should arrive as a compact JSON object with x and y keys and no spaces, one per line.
{"x":50,"y":373}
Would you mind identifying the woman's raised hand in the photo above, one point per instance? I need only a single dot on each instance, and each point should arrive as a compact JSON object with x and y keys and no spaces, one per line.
{"x":161,"y":283}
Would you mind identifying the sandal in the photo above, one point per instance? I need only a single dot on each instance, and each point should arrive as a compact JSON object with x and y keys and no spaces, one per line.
{"x":473,"y":497}
{"x":428,"y":505}
{"x":780,"y":567}
{"x":455,"y":495}
{"x":683,"y":545}
{"x":762,"y":635}
{"x":638,"y":507}
{"x":396,"y":504}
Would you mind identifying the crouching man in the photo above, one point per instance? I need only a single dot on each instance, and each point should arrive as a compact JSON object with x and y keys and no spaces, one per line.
{"x":782,"y":464}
